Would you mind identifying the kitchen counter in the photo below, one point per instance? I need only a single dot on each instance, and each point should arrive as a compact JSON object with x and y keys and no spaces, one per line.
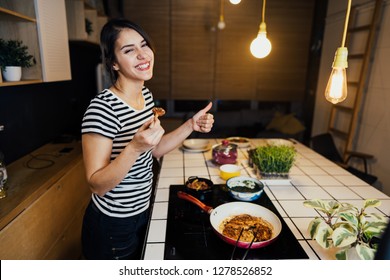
{"x":46,"y":196}
{"x":30,"y":176}
{"x":312,"y":176}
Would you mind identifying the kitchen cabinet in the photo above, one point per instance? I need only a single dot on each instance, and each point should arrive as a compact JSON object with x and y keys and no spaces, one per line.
{"x":42,"y":215}
{"x":81,"y":13}
{"x":41,"y":25}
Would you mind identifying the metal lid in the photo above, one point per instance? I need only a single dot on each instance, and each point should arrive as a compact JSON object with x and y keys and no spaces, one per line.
{"x":225,"y":146}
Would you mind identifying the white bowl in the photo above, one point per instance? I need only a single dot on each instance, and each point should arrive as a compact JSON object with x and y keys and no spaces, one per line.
{"x":196,"y":144}
{"x":245,"y":188}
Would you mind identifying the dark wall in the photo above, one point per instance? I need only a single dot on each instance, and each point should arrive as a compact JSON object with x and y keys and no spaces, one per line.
{"x":36,"y":114}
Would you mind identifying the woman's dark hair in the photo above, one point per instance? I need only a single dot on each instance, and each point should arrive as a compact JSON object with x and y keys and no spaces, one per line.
{"x":109,"y":35}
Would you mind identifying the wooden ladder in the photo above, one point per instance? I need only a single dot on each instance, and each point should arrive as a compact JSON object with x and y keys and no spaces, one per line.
{"x":361,"y":36}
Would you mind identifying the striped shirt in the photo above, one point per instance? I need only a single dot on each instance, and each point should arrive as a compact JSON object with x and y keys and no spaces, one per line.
{"x":111,"y":117}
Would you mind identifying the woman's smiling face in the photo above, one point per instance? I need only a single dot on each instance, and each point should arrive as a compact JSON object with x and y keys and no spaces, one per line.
{"x":135,"y":59}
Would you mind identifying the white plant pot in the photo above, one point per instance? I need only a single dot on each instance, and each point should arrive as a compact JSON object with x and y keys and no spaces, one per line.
{"x":12,"y":73}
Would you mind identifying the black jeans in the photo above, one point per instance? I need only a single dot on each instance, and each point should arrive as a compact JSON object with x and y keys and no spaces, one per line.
{"x":109,"y":238}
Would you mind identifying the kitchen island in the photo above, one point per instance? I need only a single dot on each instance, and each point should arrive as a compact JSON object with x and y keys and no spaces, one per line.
{"x":312,"y":176}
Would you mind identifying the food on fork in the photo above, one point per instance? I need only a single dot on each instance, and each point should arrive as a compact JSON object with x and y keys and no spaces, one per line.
{"x":158,"y":111}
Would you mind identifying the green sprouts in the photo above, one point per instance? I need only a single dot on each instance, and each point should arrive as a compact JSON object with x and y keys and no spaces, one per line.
{"x":273,"y":159}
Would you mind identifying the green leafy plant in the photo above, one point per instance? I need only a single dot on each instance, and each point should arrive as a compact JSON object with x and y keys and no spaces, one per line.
{"x":14,"y":53}
{"x":346,"y":227}
{"x":273,"y":159}
{"x":88,"y":26}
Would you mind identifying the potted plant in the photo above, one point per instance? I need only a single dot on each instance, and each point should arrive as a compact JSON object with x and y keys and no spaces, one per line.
{"x":355,"y":232}
{"x":14,"y":56}
{"x":273,"y":161}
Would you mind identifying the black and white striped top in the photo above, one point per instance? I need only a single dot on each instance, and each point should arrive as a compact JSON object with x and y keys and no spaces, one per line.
{"x":111,"y":117}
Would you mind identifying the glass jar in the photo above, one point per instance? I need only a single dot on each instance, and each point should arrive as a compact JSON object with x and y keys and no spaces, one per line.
{"x":225,"y":153}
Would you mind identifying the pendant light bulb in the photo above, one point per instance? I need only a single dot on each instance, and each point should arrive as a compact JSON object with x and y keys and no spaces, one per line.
{"x":221,"y":24}
{"x":235,"y":2}
{"x":261,"y":46}
{"x":336,"y":89}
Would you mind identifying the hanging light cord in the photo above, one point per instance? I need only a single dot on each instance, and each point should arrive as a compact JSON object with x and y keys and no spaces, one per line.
{"x":263,"y":12}
{"x":346,"y":23}
{"x":221,"y":11}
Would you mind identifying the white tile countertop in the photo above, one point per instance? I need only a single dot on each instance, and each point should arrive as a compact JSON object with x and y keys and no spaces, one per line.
{"x":312,"y":176}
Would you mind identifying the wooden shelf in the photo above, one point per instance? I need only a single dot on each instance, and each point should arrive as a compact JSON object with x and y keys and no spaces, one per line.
{"x":24,"y":82}
{"x":12,"y":15}
{"x":41,"y":26}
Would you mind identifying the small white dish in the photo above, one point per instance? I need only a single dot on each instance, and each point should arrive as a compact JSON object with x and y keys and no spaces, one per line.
{"x":195,"y":150}
{"x":241,"y":142}
{"x":196,"y":144}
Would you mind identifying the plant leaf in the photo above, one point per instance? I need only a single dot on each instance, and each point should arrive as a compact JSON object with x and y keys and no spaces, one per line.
{"x":313,"y":226}
{"x":343,"y":237}
{"x":348,"y":226}
{"x":365,"y":252}
{"x":333,"y":207}
{"x":371,"y":203}
{"x":374,"y":229}
{"x":342,"y":254}
{"x":348,"y":208}
{"x":350,"y":218}
{"x":318,"y":204}
{"x":323,"y":234}
{"x":378,"y":217}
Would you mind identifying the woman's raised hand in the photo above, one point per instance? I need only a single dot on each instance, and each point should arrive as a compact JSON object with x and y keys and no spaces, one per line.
{"x":203,"y":121}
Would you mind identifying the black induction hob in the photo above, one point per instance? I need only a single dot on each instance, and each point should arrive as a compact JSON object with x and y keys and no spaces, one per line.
{"x":190,"y":236}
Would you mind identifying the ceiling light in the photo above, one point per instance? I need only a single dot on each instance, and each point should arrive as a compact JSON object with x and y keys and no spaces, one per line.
{"x":336,"y":89}
{"x":235,"y":2}
{"x":261,"y":46}
{"x":221,"y":22}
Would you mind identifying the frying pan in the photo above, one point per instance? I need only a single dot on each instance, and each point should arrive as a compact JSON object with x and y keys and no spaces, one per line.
{"x":230,"y":209}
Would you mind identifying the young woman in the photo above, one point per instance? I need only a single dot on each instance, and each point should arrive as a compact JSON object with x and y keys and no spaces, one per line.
{"x":120,"y":135}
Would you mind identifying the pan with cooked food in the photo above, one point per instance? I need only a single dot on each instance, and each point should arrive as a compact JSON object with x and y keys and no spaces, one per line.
{"x":265,"y":224}
{"x":252,"y":227}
